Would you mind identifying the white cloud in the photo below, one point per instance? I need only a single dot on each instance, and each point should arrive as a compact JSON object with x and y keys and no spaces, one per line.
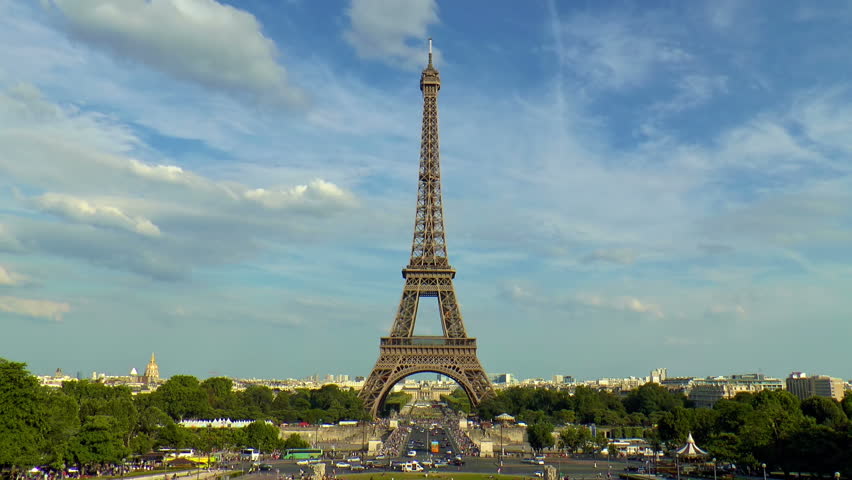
{"x":394,"y":31}
{"x":46,"y":309}
{"x":9,"y":278}
{"x":84,"y":211}
{"x":202,"y":41}
{"x":631,"y":304}
{"x":316,"y":193}
{"x":64,"y":156}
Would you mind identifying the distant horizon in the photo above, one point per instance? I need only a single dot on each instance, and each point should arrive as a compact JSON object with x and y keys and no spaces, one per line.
{"x":140,"y":369}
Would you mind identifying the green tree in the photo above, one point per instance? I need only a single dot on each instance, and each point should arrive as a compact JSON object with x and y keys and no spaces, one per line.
{"x":294,"y":440}
{"x":652,"y":397}
{"x":540,"y":436}
{"x":457,"y":400}
{"x":826,"y":411}
{"x":21,"y":421}
{"x":182,"y":397}
{"x":61,"y":423}
{"x":99,"y":442}
{"x":262,"y":436}
{"x":574,"y":438}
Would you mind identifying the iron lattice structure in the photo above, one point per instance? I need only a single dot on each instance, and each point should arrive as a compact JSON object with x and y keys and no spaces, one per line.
{"x":428,"y":274}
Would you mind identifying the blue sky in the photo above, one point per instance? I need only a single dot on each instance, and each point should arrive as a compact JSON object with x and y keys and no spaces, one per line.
{"x":231,"y":185}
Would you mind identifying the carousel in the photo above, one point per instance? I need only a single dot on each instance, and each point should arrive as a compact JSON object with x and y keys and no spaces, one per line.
{"x":688,"y":454}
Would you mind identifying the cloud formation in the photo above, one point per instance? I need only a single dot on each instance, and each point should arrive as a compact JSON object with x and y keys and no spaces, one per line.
{"x":617,"y":52}
{"x":9,"y":278}
{"x":44,"y":309}
{"x":80,"y":210}
{"x":393,"y":31}
{"x":201,"y":41}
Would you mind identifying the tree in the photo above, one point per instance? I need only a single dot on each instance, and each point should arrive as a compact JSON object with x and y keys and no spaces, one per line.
{"x":295,"y":441}
{"x":652,"y":397}
{"x":574,"y":439}
{"x":182,"y":397}
{"x":20,"y":420}
{"x":540,"y":436}
{"x":826,"y":411}
{"x":61,"y":423}
{"x":99,"y":441}
{"x":262,"y":436}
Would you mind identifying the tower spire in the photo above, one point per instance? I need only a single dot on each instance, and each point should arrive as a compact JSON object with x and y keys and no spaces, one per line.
{"x":430,"y":51}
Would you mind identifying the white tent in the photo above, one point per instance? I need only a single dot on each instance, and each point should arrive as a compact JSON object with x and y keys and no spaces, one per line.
{"x":690,"y":449}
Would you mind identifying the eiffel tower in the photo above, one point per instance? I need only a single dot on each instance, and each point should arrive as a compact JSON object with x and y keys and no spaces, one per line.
{"x":428,"y":274}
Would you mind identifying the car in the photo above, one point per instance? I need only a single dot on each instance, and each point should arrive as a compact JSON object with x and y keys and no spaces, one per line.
{"x":265,"y":467}
{"x":427,"y":463}
{"x":411,"y":453}
{"x":533,"y":461}
{"x":303,"y":462}
{"x":354,"y":459}
{"x":381,"y":457}
{"x":358,"y":468}
{"x":441,"y":464}
{"x":342,"y":465}
{"x":449,"y":452}
{"x":538,"y":473}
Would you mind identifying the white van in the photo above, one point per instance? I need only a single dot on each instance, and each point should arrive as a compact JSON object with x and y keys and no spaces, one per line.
{"x":412,"y":467}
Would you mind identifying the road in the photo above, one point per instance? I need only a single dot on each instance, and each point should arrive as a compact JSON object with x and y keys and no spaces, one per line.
{"x":576,"y":469}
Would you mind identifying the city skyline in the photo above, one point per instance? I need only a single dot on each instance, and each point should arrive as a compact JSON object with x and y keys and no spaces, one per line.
{"x":232,"y":184}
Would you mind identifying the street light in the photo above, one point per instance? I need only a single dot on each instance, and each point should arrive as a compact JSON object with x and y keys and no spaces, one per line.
{"x":836,"y":475}
{"x":763,"y":465}
{"x":677,"y":465}
{"x":714,"y":468}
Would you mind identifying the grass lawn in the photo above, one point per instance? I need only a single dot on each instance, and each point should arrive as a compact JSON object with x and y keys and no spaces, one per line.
{"x":424,"y":476}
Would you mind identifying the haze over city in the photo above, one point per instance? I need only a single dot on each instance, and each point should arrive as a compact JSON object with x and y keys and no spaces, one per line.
{"x":232,"y":185}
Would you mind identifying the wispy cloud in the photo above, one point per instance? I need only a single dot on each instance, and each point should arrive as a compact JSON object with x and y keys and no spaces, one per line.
{"x":617,"y":52}
{"x":44,"y":309}
{"x":9,"y":278}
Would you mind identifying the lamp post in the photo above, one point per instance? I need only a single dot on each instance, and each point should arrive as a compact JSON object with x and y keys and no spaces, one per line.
{"x":763,"y":465}
{"x":500,"y":457}
{"x":714,"y":468}
{"x":677,"y":465}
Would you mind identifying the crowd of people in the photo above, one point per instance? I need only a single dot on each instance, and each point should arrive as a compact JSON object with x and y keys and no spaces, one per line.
{"x":461,"y":439}
{"x":392,"y":446}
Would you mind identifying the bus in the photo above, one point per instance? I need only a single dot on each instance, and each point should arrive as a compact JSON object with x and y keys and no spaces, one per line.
{"x":169,"y":453}
{"x":249,"y":454}
{"x":302,"y":453}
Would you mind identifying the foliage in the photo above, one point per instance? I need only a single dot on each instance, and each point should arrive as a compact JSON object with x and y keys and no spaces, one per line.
{"x":20,"y":422}
{"x":294,"y":440}
{"x":574,"y":439}
{"x":457,"y":400}
{"x":540,"y":436}
{"x":394,"y":402}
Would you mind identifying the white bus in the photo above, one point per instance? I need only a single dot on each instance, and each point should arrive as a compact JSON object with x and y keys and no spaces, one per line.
{"x":249,"y":455}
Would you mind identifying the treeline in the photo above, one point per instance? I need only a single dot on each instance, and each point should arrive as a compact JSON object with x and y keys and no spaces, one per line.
{"x":183,"y":397}
{"x":771,"y":427}
{"x":87,"y":423}
{"x":641,"y":407}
